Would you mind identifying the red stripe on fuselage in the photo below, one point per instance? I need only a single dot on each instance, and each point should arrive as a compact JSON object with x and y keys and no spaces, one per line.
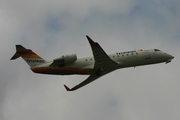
{"x":62,"y":70}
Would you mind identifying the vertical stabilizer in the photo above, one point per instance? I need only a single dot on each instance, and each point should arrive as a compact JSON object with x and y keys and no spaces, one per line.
{"x":31,"y":58}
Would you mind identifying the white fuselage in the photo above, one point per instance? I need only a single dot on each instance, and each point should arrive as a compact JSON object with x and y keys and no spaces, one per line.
{"x":124,"y":59}
{"x":128,"y":59}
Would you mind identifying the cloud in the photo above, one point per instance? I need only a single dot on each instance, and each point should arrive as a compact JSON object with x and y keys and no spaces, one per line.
{"x":53,"y":28}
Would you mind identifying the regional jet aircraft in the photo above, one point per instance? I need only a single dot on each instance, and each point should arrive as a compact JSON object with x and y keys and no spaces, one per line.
{"x":97,"y":66}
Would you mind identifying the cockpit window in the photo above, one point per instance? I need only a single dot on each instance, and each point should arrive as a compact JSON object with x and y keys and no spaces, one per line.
{"x":156,"y":50}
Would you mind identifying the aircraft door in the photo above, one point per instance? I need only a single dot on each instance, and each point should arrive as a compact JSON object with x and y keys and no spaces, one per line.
{"x":147,"y":55}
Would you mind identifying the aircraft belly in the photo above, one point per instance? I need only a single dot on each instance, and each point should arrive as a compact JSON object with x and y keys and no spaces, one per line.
{"x":63,"y":71}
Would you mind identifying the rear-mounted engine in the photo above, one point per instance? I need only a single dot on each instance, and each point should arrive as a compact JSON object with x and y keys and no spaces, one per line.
{"x":65,"y":60}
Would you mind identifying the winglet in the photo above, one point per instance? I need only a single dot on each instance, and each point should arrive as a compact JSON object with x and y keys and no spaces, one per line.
{"x":67,"y":88}
{"x":72,"y":89}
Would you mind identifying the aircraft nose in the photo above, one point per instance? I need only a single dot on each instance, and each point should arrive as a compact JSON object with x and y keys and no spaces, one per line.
{"x":172,"y":57}
{"x":168,"y":57}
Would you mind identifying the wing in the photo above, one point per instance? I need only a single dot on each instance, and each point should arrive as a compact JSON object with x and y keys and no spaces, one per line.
{"x":85,"y":82}
{"x":102,"y":60}
{"x":103,"y":65}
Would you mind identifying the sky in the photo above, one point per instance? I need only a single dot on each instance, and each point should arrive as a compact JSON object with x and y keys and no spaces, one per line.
{"x":53,"y":28}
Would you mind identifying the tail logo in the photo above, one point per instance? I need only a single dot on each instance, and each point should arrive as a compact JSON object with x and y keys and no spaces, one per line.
{"x":31,"y":58}
{"x":34,"y":61}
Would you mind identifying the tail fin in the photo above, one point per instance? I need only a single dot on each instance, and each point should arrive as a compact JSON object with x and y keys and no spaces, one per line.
{"x":31,"y":58}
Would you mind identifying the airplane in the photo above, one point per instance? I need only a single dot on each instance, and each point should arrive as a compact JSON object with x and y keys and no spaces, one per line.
{"x":97,"y":66}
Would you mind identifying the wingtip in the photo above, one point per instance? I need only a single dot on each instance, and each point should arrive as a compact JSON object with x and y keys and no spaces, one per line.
{"x":89,"y":39}
{"x":67,"y":88}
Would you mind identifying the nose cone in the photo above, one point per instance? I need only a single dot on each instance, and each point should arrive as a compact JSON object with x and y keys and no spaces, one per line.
{"x":172,"y":57}
{"x":168,"y":57}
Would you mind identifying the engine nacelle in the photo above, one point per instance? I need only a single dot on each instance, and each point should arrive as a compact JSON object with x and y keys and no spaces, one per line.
{"x":69,"y":58}
{"x":65,"y":59}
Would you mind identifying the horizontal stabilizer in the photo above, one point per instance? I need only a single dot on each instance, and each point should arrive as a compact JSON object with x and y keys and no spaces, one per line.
{"x":19,"y":49}
{"x":15,"y":56}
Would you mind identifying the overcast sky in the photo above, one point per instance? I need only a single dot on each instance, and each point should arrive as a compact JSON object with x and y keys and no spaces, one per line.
{"x":53,"y":28}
